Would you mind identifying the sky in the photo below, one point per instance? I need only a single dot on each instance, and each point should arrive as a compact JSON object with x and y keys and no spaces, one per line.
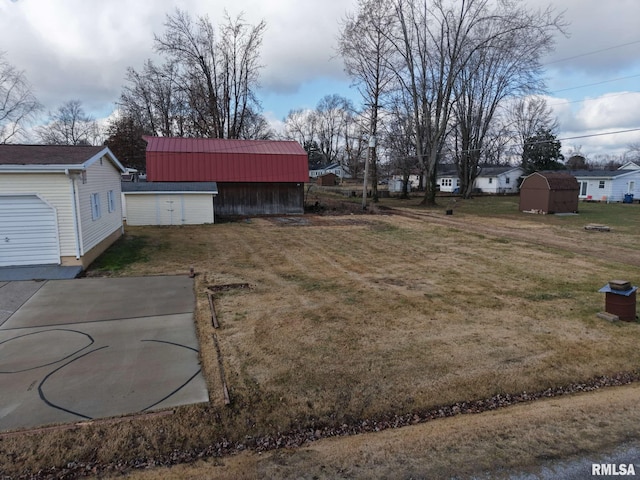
{"x":80,"y":49}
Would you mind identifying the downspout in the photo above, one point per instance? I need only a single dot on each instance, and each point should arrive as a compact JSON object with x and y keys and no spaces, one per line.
{"x":74,"y":210}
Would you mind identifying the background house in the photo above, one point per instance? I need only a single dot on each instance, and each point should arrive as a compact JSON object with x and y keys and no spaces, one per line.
{"x":608,"y":185}
{"x":549,"y":193}
{"x":58,"y":204}
{"x":338,"y":170}
{"x":490,"y":179}
{"x":447,"y":179}
{"x":253,"y":177}
{"x":498,"y":179}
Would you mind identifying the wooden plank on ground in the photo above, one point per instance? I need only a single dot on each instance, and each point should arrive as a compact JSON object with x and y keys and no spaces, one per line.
{"x":214,"y":317}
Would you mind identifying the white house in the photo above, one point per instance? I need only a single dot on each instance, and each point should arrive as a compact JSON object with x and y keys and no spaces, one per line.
{"x":498,"y":179}
{"x":489,"y":180}
{"x":338,"y":170}
{"x":447,"y":179}
{"x":168,"y":203}
{"x":58,"y":204}
{"x":608,"y":186}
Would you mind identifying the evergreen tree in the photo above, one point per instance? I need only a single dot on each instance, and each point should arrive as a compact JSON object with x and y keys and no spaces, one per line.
{"x":541,"y":151}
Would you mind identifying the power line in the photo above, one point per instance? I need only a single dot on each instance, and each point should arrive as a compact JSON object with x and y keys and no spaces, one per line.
{"x":591,"y":99}
{"x":597,"y":83}
{"x":600,"y":134}
{"x":592,"y":52}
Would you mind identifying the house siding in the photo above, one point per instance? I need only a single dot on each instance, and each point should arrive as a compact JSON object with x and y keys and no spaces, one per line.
{"x":101,"y":177}
{"x":615,"y":188}
{"x":55,"y":188}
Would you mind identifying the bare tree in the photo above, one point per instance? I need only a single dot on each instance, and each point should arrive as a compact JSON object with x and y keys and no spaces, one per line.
{"x":331,"y":133}
{"x":219,"y":75}
{"x":368,"y":54}
{"x":529,"y":115}
{"x":256,"y":127}
{"x":155,"y":102}
{"x":399,"y":145}
{"x":633,"y":152}
{"x":69,"y":125}
{"x":331,"y":121}
{"x":507,"y":64}
{"x":18,"y":105}
{"x":301,"y":125}
{"x":437,"y":40}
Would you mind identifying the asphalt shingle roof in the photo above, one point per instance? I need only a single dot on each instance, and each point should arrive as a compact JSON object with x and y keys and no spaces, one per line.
{"x":46,"y":154}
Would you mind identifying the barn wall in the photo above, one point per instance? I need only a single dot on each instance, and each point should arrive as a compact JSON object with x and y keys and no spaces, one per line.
{"x":534,"y":194}
{"x":259,"y":199}
{"x":563,"y":201}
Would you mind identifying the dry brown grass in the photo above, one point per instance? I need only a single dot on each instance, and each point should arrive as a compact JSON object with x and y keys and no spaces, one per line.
{"x":355,"y":317}
{"x":517,"y":439}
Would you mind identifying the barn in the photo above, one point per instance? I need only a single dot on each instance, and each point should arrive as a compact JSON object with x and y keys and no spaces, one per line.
{"x":59,"y":204}
{"x":549,"y":193}
{"x":253,"y":177}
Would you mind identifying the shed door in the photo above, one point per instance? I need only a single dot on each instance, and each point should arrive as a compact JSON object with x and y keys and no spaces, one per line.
{"x":28,"y":231}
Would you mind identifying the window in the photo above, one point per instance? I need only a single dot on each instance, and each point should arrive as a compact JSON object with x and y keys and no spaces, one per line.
{"x":508,"y":180}
{"x":111,"y":201}
{"x":601,"y":185}
{"x":490,"y":179}
{"x":583,"y":189}
{"x":95,"y":206}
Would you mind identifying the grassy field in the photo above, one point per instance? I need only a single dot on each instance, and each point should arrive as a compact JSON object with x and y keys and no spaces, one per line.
{"x":353,"y":318}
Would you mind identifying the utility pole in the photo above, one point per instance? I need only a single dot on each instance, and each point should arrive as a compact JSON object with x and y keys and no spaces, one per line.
{"x":372,"y":145}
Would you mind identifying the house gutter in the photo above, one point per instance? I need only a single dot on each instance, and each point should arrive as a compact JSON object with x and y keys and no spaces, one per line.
{"x":74,"y":209}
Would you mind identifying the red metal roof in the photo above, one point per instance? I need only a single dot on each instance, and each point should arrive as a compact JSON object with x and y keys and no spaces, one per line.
{"x":171,"y":159}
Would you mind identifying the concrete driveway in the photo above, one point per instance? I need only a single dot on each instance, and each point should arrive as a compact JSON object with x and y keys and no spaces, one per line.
{"x":74,"y":350}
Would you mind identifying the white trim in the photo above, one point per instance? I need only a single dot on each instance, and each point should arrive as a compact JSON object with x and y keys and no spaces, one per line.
{"x":74,"y":213}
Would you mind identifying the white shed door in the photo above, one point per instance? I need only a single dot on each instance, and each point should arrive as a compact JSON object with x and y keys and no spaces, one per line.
{"x":28,"y":231}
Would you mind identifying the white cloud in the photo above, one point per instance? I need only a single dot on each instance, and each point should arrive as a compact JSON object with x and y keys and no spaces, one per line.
{"x":79,"y":49}
{"x":597,"y":123}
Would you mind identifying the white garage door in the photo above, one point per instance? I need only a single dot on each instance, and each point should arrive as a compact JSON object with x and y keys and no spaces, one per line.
{"x":28,"y":231}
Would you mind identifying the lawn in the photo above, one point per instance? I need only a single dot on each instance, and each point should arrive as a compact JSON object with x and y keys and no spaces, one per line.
{"x":358,"y":318}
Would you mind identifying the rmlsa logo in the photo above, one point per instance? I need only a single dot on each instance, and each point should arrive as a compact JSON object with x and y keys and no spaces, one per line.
{"x":612,"y":469}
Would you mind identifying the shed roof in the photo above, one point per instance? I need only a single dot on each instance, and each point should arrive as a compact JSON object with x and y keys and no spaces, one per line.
{"x":173,"y":187}
{"x":557,"y":181}
{"x":52,"y":157}
{"x":223,"y":160}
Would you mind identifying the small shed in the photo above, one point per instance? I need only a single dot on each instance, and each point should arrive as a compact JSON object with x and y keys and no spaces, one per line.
{"x":549,"y":192}
{"x":168,"y":203}
{"x":327,"y":180}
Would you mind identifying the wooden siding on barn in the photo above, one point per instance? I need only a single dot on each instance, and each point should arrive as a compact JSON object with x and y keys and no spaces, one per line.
{"x":259,"y":199}
{"x":55,"y":188}
{"x":101,"y":177}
